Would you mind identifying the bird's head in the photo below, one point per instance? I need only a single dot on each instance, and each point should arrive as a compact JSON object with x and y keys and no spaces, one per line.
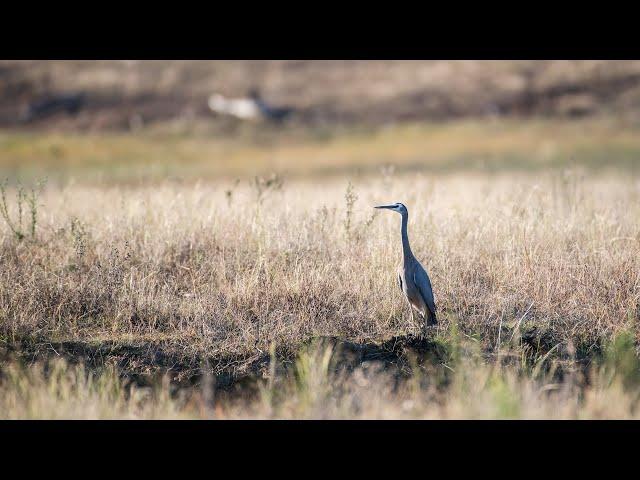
{"x":396,"y":207}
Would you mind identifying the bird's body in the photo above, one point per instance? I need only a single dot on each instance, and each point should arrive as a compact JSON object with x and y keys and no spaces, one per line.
{"x":414,"y":295}
{"x":412,"y":277}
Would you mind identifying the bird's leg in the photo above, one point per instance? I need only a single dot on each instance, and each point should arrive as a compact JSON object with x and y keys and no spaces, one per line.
{"x":413,"y":315}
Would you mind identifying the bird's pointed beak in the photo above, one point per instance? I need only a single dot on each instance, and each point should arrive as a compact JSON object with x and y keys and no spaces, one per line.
{"x":385,"y":206}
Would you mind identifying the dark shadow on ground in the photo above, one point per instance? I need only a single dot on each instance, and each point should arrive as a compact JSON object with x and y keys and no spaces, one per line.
{"x":144,"y":363}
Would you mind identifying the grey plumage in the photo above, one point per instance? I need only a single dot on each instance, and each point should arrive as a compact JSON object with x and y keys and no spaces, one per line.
{"x":412,"y":277}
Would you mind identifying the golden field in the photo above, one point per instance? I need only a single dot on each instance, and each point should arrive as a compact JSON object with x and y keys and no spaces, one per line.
{"x":184,"y":258}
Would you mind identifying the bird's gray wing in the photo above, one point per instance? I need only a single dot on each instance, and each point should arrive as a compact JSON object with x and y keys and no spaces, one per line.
{"x":421,"y":279}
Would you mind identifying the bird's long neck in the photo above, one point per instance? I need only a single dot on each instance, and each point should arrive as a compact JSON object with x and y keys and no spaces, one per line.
{"x":406,"y":248}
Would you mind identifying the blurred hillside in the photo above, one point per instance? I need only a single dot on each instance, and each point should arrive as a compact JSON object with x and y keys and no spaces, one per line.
{"x":125,"y":95}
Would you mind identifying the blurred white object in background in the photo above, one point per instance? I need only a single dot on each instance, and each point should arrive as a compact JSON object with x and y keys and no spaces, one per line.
{"x":245,"y":108}
{"x":249,"y":107}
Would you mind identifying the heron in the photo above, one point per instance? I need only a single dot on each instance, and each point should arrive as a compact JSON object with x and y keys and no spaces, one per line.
{"x":412,"y":277}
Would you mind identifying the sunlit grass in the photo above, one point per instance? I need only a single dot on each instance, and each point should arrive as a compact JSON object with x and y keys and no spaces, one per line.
{"x":534,"y":267}
{"x":317,"y":385}
{"x":222,"y":268}
{"x":487,"y":144}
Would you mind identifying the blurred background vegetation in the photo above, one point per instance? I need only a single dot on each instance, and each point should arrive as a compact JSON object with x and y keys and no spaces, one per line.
{"x":151,"y":119}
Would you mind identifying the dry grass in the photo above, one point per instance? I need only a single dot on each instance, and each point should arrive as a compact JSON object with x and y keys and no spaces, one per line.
{"x":223,"y":270}
{"x":318,"y":388}
{"x":535,"y":275}
{"x":57,"y":390}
